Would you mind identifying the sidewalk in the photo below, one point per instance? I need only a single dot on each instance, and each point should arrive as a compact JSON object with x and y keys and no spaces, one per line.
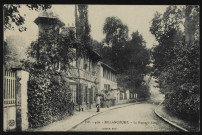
{"x":173,"y":119}
{"x":77,"y":118}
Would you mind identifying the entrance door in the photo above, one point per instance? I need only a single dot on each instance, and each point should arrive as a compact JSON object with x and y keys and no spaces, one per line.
{"x":86,"y":94}
{"x":91,"y":96}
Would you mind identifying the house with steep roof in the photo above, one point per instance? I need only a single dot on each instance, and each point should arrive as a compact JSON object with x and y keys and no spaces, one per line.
{"x":82,"y":72}
{"x":87,"y":75}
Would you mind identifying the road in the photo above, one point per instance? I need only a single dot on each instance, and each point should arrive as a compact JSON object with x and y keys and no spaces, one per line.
{"x":138,"y":117}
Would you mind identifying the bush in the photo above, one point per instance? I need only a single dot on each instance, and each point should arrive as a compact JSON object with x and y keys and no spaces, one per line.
{"x":184,"y":104}
{"x":183,"y":78}
{"x":48,"y":97}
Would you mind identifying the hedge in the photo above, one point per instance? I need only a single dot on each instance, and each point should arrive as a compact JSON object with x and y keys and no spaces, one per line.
{"x":49,"y":97}
{"x":184,"y":104}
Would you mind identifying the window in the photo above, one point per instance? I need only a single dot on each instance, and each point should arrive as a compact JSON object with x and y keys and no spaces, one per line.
{"x":104,"y":72}
{"x":107,"y":86}
{"x":73,"y":62}
{"x":84,"y":63}
{"x":73,"y":89}
{"x":89,"y":65}
{"x":107,"y":74}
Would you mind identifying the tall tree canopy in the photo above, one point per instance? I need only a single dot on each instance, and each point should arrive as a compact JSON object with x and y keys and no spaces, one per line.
{"x":83,"y":26}
{"x":136,"y":61}
{"x":116,"y":35}
{"x":176,"y":57}
{"x":114,"y":30}
{"x":129,"y":56}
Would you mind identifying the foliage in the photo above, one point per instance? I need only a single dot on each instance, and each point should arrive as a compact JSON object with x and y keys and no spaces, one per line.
{"x":176,"y":59}
{"x":115,"y":30}
{"x":48,"y":88}
{"x":116,"y":36}
{"x":9,"y":56}
{"x":83,"y":28}
{"x":12,"y":16}
{"x":135,"y":60}
{"x":97,"y":46}
{"x":129,"y":57}
{"x":184,"y":79}
{"x":48,"y":97}
{"x":166,"y":29}
{"x":14,"y":49}
{"x":53,"y":51}
{"x":144,"y":91}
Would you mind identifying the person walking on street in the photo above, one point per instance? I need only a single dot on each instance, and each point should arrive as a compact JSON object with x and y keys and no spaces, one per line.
{"x":98,"y":103}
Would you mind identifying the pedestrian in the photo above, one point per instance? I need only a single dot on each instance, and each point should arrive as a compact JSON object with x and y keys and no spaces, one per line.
{"x":98,"y":103}
{"x":71,"y":108}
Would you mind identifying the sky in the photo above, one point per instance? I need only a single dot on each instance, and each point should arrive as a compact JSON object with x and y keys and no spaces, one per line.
{"x":136,"y":17}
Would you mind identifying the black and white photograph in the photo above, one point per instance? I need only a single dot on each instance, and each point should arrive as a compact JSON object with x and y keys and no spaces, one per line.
{"x":101,"y":68}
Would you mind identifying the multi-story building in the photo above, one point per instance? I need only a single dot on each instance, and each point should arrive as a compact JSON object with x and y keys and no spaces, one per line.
{"x":84,"y":85}
{"x":82,"y":73}
{"x":87,"y":74}
{"x":107,"y":80}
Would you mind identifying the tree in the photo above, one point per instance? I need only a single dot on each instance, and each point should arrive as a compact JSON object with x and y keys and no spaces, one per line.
{"x":12,"y":16}
{"x":53,"y":52}
{"x":14,"y":51}
{"x":166,"y":29}
{"x":114,"y":30}
{"x":137,"y":58}
{"x":116,"y":36}
{"x":97,"y":46}
{"x":83,"y":27}
{"x":129,"y":57}
{"x":191,"y":17}
{"x":176,"y":58}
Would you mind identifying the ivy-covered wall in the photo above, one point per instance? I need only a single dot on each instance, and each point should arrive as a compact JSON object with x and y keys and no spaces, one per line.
{"x":49,"y":97}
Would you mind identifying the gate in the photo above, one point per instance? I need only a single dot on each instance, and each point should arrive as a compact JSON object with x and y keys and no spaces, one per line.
{"x":9,"y":100}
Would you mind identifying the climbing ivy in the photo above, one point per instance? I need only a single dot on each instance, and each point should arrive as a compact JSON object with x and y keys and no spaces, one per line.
{"x":49,"y":97}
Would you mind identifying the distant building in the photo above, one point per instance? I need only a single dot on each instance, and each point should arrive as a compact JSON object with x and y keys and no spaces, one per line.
{"x":107,"y":80}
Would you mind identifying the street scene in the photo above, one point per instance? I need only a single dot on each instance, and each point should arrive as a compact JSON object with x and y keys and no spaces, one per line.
{"x":101,"y":68}
{"x":140,"y":117}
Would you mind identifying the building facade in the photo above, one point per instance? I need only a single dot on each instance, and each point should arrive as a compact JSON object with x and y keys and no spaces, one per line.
{"x":108,"y":81}
{"x":82,"y":72}
{"x":87,"y":75}
{"x":84,"y":80}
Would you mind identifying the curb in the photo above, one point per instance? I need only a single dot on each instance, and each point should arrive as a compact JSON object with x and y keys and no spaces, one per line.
{"x":102,"y":112}
{"x":169,"y":122}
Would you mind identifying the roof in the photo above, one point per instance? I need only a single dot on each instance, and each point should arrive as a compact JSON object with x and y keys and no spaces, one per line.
{"x":93,"y":54}
{"x":48,"y":14}
{"x":96,"y":53}
{"x":108,"y":66}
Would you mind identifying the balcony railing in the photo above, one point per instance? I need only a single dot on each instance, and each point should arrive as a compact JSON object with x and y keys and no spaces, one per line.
{"x":74,"y":73}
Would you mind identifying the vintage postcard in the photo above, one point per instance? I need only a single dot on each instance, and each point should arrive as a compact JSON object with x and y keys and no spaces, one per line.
{"x":101,"y":68}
